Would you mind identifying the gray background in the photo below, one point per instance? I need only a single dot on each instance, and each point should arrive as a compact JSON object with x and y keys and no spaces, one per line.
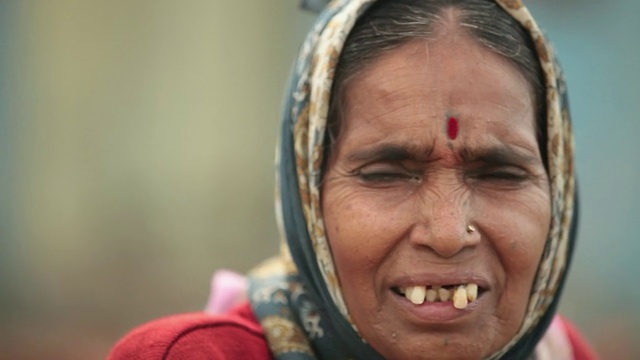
{"x":136,"y":157}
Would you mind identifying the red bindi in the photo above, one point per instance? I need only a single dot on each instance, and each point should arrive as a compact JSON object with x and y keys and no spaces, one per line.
{"x":452,"y":128}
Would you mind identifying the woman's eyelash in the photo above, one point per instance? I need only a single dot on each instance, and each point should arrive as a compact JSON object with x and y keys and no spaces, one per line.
{"x":511,"y":174}
{"x":508,"y":173}
{"x":383,"y":176}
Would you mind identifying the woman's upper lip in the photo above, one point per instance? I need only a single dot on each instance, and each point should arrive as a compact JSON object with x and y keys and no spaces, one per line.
{"x":440,"y":279}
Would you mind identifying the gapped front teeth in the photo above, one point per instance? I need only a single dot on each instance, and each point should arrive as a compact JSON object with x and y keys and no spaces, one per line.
{"x":416,"y":294}
{"x":461,"y":296}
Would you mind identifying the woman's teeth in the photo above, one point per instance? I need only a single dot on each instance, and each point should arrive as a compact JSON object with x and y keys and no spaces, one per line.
{"x":462,"y":294}
{"x":444,"y":294}
{"x":416,"y":294}
{"x":460,"y":300}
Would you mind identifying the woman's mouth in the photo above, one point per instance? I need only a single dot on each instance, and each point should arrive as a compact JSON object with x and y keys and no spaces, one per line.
{"x":460,"y":294}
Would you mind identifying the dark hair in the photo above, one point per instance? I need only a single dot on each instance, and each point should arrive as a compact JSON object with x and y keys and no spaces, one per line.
{"x":388,"y":24}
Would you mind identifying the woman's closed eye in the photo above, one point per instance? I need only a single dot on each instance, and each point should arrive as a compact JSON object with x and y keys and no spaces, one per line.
{"x":504,"y":175}
{"x":385,"y":174}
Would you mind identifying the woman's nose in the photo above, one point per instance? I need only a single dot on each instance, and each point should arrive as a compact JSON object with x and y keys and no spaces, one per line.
{"x":445,"y":225}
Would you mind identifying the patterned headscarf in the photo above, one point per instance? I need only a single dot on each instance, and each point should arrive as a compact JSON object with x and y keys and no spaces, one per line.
{"x":297,"y":296}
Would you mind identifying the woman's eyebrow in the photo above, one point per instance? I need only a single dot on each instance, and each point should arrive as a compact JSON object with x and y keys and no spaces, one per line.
{"x":502,"y":154}
{"x":499,"y":154}
{"x":388,"y":152}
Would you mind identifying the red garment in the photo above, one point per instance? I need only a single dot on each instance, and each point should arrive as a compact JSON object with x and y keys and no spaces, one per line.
{"x":235,"y":335}
{"x":196,"y":336}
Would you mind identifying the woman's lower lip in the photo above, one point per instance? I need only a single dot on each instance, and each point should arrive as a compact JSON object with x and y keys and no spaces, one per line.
{"x":435,"y":312}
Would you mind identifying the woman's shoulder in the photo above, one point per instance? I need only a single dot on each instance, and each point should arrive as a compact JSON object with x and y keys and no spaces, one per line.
{"x":234,"y":335}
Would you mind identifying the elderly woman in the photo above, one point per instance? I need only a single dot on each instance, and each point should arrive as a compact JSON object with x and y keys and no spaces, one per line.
{"x":426,"y":197}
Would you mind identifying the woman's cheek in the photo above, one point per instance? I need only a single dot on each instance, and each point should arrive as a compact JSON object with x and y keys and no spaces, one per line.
{"x":354,"y":226}
{"x":517,"y":229}
{"x":362,"y":226}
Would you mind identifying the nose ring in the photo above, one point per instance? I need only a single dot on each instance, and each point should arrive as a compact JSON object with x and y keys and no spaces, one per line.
{"x":471,"y":229}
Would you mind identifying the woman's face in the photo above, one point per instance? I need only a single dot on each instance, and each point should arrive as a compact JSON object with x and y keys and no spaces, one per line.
{"x":403,"y":184}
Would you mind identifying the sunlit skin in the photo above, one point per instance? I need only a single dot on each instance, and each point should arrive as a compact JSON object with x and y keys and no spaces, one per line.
{"x":399,"y":193}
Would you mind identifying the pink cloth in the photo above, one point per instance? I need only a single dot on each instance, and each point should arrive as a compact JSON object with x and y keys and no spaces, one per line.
{"x":228,"y":289}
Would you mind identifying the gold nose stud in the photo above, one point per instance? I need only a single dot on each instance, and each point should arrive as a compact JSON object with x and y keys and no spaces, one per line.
{"x":471,"y":229}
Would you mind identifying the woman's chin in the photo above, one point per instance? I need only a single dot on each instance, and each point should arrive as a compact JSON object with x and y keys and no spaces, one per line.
{"x":438,"y":346}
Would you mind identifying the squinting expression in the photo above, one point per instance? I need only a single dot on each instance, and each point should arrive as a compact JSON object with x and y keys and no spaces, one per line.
{"x":414,"y":214}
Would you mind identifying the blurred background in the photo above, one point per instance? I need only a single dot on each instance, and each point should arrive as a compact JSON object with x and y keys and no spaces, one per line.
{"x":136,"y":158}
